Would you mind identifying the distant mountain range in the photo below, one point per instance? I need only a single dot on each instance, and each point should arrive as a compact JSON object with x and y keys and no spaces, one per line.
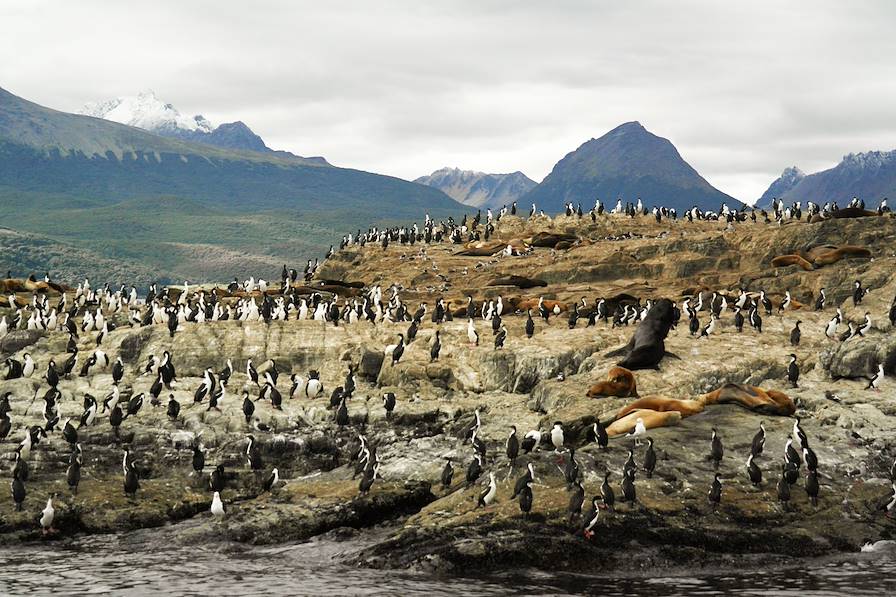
{"x":479,"y":189}
{"x":131,"y":195}
{"x":148,"y":112}
{"x":870,"y":176}
{"x":628,"y":162}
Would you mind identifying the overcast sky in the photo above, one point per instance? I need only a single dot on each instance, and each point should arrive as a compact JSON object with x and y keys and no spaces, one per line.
{"x":743,"y":90}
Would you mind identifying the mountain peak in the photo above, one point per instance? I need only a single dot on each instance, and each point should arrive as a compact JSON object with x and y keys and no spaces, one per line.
{"x":789,"y":178}
{"x":478,"y":189}
{"x":146,"y":111}
{"x":626,"y":163}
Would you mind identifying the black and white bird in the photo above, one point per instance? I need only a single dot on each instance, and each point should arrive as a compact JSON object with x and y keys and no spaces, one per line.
{"x":876,"y":379}
{"x":753,"y":471}
{"x":716,"y":450}
{"x":487,"y":496}
{"x":793,"y":371}
{"x":715,"y":492}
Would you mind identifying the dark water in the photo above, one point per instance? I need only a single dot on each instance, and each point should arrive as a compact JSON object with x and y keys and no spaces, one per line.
{"x":142,"y":564}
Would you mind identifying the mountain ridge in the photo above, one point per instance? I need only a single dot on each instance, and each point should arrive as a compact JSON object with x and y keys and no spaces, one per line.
{"x":627,"y":162}
{"x":479,"y":189}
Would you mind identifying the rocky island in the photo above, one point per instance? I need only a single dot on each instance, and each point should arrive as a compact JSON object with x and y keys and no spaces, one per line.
{"x":326,"y":439}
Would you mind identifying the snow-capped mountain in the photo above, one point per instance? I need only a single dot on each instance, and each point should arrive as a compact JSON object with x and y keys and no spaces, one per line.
{"x":788,"y":179}
{"x":869,"y":175}
{"x":478,"y":188}
{"x":146,"y":111}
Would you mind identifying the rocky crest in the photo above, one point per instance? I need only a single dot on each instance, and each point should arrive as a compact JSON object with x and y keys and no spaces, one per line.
{"x":530,"y":383}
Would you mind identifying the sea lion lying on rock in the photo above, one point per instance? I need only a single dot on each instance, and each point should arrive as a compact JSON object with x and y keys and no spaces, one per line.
{"x":650,"y":418}
{"x":552,"y":239}
{"x":852,"y":212}
{"x":11,"y":285}
{"x":532,"y":303}
{"x":647,"y":347}
{"x":771,"y":402}
{"x":822,"y":255}
{"x":481,"y":249}
{"x":662,"y":404}
{"x":620,"y":382}
{"x":518,"y":281}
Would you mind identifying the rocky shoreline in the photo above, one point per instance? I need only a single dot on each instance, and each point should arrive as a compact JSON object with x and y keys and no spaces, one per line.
{"x":434,"y":529}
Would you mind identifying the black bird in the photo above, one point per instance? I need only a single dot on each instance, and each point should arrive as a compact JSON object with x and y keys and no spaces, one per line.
{"x":342,"y":413}
{"x":754,"y":472}
{"x":398,"y":350}
{"x":758,"y":441}
{"x":810,"y":459}
{"x":367,"y":480}
{"x":739,"y":320}
{"x":21,"y":469}
{"x":783,"y":488}
{"x":716,"y":451}
{"x":793,"y":371}
{"x":792,"y":455}
{"x":526,"y":477}
{"x":630,"y":465}
{"x":18,"y":492}
{"x":512,"y":447}
{"x":600,"y":434}
{"x":526,"y":499}
{"x":791,"y":472}
{"x":271,"y":481}
{"x":73,"y":474}
{"x":253,"y":454}
{"x":217,"y":480}
{"x":69,"y":433}
{"x":812,"y":487}
{"x":530,"y":324}
{"x":131,"y":481}
{"x":500,"y":337}
{"x":447,"y":474}
{"x":589,"y":519}
{"x":628,"y":488}
{"x":173,"y":408}
{"x":606,"y":492}
{"x":198,"y":459}
{"x":117,"y":371}
{"x":435,"y":348}
{"x":52,"y":376}
{"x":248,"y":407}
{"x":649,"y":463}
{"x":576,"y":500}
{"x":134,"y":405}
{"x":115,"y":419}
{"x":795,"y":334}
{"x":571,"y":472}
{"x":694,"y":324}
{"x":389,"y":403}
{"x":715,"y":492}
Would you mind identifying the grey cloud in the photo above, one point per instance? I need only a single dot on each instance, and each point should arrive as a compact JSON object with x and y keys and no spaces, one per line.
{"x":402,"y":88}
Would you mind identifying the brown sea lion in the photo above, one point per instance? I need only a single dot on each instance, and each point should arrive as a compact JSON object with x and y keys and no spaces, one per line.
{"x":662,"y":404}
{"x":844,"y":252}
{"x":620,"y":382}
{"x":650,"y":418}
{"x":532,"y":303}
{"x":754,"y":398}
{"x":852,"y":212}
{"x":785,"y":260}
{"x":481,"y":249}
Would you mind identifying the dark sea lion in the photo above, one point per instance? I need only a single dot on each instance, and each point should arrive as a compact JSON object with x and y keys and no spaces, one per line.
{"x":648,"y":347}
{"x":620,"y":382}
{"x":518,"y":281}
{"x":551,"y":239}
{"x":852,"y":212}
{"x":662,"y":404}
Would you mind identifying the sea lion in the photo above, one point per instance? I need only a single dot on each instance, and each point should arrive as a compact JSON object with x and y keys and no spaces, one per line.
{"x":532,"y":303}
{"x":620,"y":382}
{"x":785,"y":260}
{"x":662,"y":404}
{"x":771,"y":402}
{"x":650,"y":418}
{"x":647,"y":347}
{"x":551,"y":239}
{"x":518,"y":281}
{"x":852,"y":212}
{"x":481,"y":249}
{"x":837,"y":253}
